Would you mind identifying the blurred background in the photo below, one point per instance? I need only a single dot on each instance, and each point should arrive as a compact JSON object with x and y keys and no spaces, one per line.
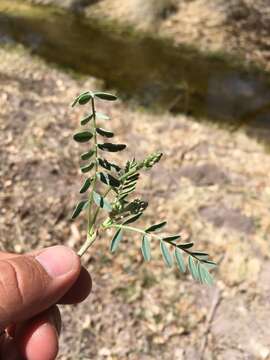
{"x":193,"y":81}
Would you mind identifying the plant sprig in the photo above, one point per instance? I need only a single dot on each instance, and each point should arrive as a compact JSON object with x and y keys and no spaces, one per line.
{"x":116,"y":200}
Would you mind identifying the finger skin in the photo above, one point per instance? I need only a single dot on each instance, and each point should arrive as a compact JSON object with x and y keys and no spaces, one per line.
{"x":78,"y":291}
{"x":26,"y":289}
{"x":37,"y":339}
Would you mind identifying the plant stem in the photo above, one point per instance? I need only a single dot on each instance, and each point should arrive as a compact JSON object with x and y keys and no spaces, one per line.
{"x":89,"y":242}
{"x":91,"y":219}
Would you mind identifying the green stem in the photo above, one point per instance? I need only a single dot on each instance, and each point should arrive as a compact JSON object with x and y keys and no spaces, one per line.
{"x":91,"y":234}
{"x":89,"y":242}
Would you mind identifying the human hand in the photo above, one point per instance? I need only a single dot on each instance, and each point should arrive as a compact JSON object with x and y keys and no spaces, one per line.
{"x":30,"y":287}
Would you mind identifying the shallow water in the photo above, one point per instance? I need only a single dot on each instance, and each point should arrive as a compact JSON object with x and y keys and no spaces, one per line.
{"x":152,"y":71}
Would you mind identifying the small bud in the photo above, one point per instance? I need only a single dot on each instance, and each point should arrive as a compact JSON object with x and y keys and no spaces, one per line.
{"x":150,"y":161}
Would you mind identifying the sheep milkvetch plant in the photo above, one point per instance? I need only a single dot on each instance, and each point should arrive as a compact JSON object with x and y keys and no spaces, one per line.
{"x":109,"y":201}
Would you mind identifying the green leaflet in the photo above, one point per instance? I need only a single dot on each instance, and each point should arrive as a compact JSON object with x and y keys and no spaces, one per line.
{"x":128,"y":191}
{"x":108,"y":165}
{"x":145,"y":248}
{"x":85,"y":186}
{"x":166,"y":254}
{"x":101,"y":116}
{"x":132,"y":219}
{"x":129,"y":184}
{"x":134,"y":177}
{"x":185,"y":245}
{"x":86,"y":119}
{"x":112,"y":147}
{"x":108,"y":179}
{"x":172,"y":238}
{"x":83,"y":136}
{"x":204,"y":275}
{"x":78,"y":209}
{"x":116,"y":240}
{"x":84,"y":98}
{"x":105,"y":96}
{"x":87,"y":168}
{"x":209,"y":264}
{"x":78,"y":97}
{"x":156,"y":227}
{"x":101,"y":202}
{"x":200,"y":255}
{"x":180,"y":260}
{"x":87,"y":155}
{"x":193,"y":268}
{"x":105,"y":133}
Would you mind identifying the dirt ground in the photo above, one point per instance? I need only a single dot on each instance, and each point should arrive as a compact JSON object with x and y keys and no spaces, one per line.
{"x":212,"y":186}
{"x":239,"y":27}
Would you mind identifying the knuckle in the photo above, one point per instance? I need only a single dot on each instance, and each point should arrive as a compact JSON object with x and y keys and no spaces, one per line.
{"x":21,"y":282}
{"x":10,"y":284}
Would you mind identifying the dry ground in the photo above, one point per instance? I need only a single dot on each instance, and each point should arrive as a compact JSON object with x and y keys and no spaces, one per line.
{"x":212,"y":185}
{"x":239,"y":27}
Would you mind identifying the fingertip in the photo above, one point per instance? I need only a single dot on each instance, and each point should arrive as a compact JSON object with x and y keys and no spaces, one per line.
{"x":38,"y":339}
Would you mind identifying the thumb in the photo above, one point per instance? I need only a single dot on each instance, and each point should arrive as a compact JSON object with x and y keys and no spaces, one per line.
{"x":29,"y":284}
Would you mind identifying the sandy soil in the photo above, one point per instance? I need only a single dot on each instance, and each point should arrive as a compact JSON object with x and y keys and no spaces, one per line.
{"x":212,"y":186}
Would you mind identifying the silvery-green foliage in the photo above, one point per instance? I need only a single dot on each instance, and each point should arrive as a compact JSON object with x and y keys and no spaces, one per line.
{"x":108,"y":195}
